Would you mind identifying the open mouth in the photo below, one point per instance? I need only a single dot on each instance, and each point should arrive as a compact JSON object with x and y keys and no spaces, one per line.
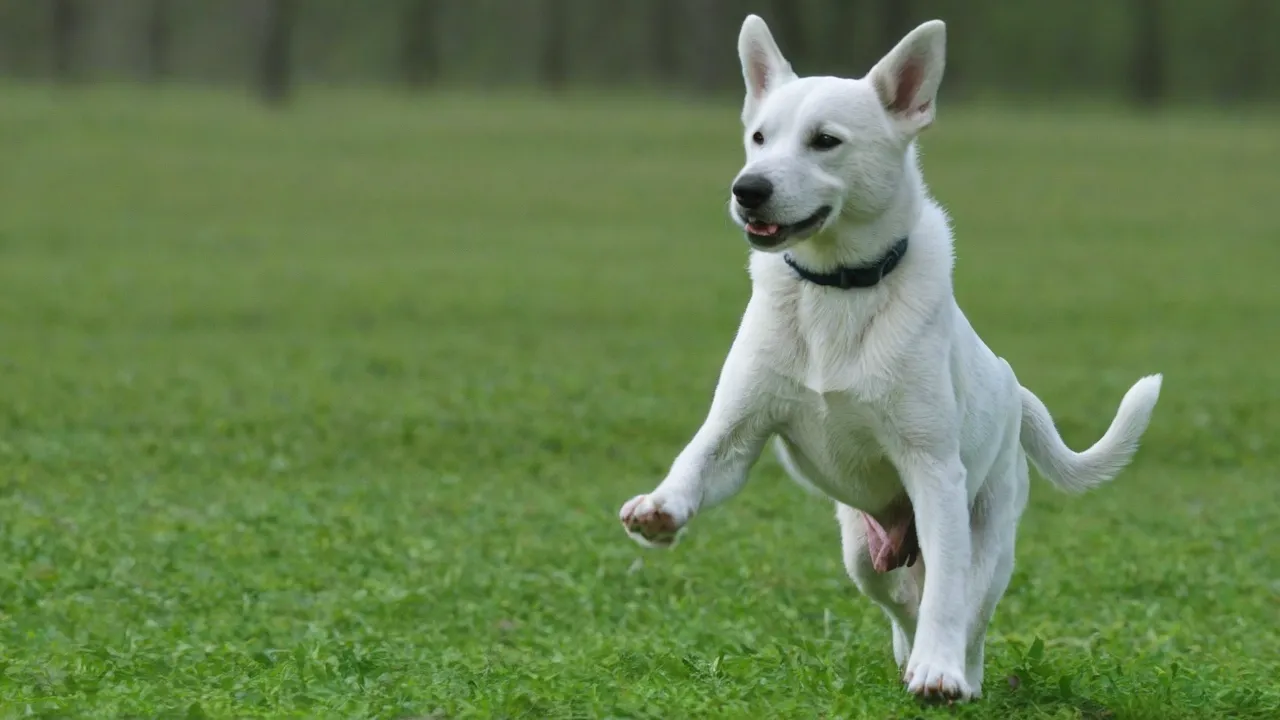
{"x":767,"y":235}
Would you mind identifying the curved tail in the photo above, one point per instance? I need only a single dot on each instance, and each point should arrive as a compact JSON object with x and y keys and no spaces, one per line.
{"x":1075,"y":472}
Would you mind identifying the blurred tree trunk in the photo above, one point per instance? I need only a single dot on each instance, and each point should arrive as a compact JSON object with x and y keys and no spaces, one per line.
{"x":784,"y":22}
{"x":275,"y":68}
{"x":66,"y":22}
{"x":419,"y":60}
{"x":1148,"y":62}
{"x":714,"y":37}
{"x":553,"y":60}
{"x":159,"y":40}
{"x":602,"y":40}
{"x":1245,"y":71}
{"x":846,"y":58}
{"x":663,"y":39}
{"x":895,"y":22}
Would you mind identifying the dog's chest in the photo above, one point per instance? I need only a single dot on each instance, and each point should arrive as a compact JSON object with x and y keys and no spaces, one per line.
{"x":832,"y":438}
{"x":837,"y":345}
{"x":838,"y":352}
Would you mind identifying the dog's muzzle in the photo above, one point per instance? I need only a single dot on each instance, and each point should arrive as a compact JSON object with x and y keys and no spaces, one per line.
{"x":766,"y":235}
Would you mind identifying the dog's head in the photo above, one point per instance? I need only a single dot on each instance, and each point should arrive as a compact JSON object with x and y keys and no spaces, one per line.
{"x":821,"y":148}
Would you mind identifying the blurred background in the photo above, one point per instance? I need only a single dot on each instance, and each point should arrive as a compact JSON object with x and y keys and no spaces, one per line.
{"x":1141,"y":51}
{"x":333,"y":334}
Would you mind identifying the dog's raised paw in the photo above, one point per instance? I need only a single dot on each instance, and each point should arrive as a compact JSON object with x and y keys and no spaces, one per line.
{"x":930,"y":681}
{"x":652,"y":522}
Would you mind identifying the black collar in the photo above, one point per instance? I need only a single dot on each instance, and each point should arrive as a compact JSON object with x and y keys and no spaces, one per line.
{"x":847,"y":278}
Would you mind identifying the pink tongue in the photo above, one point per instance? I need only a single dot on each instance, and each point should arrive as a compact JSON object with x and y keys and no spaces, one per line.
{"x":759,"y":228}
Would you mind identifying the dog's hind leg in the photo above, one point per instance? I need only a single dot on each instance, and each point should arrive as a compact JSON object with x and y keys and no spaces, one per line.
{"x":984,"y":607}
{"x":897,"y":592}
{"x":993,"y":520}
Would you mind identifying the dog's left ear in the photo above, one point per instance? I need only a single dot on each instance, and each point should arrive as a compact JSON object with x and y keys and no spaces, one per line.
{"x":907,"y":79}
{"x":763,"y":66}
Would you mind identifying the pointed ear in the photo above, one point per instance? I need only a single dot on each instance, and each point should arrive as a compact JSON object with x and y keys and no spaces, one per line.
{"x":763,"y":66}
{"x":907,"y":79}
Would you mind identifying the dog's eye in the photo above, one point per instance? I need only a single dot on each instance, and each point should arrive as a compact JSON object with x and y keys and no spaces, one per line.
{"x":823,"y":141}
{"x":757,"y":138}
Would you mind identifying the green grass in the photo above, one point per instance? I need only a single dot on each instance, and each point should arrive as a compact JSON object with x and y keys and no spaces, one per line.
{"x":329,"y":414}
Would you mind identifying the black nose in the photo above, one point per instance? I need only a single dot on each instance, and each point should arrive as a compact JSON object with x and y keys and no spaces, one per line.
{"x":752,"y":191}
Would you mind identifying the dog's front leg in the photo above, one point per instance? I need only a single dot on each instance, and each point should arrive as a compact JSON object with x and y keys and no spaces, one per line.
{"x":935,"y":482}
{"x":712,"y":468}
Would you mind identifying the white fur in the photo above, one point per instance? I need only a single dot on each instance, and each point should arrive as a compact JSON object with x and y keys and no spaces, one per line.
{"x":872,"y":393}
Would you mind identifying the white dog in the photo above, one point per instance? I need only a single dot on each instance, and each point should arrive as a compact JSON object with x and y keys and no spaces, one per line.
{"x":853,"y":353}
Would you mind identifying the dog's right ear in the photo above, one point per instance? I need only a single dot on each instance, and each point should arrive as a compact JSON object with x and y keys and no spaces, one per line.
{"x":763,"y":66}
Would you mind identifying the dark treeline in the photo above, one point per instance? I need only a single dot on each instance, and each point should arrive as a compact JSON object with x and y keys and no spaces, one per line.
{"x":1145,"y":51}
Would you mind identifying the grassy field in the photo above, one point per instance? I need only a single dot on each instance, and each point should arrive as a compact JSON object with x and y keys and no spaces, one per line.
{"x":329,"y":414}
